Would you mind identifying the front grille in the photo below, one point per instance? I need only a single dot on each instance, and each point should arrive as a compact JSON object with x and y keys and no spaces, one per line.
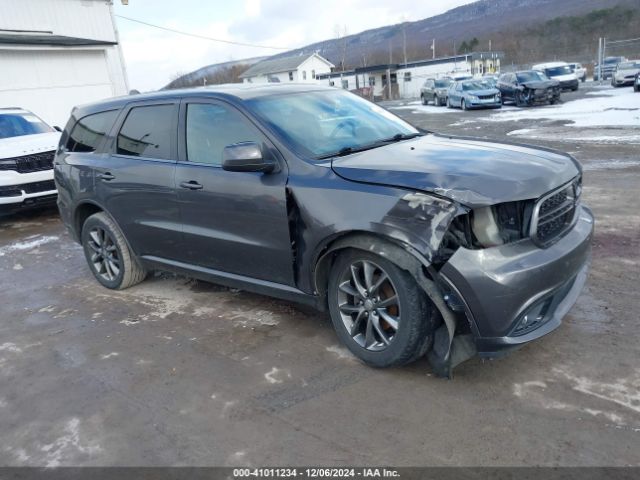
{"x":555,"y":213}
{"x":37,"y":162}
{"x":34,"y":187}
{"x":486,"y":97}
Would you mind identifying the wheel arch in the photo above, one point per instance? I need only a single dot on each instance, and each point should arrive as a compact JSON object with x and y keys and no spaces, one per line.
{"x":402,"y":254}
{"x":80,"y":214}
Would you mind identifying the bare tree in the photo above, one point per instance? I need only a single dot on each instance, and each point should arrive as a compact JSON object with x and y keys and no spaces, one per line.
{"x":340,"y":32}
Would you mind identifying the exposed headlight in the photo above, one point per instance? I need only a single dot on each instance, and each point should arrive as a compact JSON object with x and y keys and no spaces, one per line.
{"x":502,"y":223}
{"x":473,"y":97}
{"x":485,"y":227}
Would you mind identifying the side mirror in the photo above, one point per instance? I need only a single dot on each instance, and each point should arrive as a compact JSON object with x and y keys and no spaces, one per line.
{"x":246,"y":157}
{"x":57,"y":129}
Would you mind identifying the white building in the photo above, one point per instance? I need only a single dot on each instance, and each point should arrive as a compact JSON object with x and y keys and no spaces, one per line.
{"x":407,"y":79}
{"x":299,"y":69}
{"x":58,"y":54}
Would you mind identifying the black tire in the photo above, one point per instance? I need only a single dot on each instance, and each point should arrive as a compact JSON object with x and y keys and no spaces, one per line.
{"x":463,"y":105}
{"x":415,"y":314}
{"x":101,"y":236}
{"x":520,"y":100}
{"x":423,"y":99}
{"x":448,"y":103}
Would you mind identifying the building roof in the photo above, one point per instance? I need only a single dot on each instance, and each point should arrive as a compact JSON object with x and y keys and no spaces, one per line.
{"x":14,"y":37}
{"x":281,"y":64}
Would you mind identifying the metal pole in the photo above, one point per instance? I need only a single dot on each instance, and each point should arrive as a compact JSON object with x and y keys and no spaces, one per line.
{"x":600,"y":60}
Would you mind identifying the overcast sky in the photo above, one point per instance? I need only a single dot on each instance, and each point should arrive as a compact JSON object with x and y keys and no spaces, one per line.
{"x":154,"y":56}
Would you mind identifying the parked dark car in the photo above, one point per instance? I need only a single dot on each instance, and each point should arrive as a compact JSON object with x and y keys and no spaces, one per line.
{"x":608,"y":67}
{"x":471,"y":94}
{"x":413,"y":241}
{"x":435,"y":90}
{"x":636,"y":83}
{"x":529,"y":87}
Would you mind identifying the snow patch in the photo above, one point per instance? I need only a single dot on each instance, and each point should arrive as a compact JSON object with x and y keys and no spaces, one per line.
{"x":613,"y":110}
{"x":27,"y":245}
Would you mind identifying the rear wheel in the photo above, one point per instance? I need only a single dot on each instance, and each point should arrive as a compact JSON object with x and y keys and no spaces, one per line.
{"x":378,"y":310}
{"x":108,"y":254}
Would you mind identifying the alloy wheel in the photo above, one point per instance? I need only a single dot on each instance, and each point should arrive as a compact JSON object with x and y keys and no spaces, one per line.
{"x":105,"y":258}
{"x":369,"y":305}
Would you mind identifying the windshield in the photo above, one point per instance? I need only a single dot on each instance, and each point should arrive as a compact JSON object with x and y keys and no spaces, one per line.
{"x":612,"y":60}
{"x":323,"y":123}
{"x":628,"y":65}
{"x":531,"y":76}
{"x":557,"y":71}
{"x":443,"y":83}
{"x":17,"y":124}
{"x":467,"y":86}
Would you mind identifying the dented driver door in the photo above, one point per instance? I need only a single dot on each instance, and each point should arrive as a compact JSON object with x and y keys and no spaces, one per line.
{"x":233,"y":222}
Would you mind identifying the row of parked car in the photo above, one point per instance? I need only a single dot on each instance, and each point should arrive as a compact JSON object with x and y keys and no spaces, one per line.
{"x":543,"y":84}
{"x":523,"y":88}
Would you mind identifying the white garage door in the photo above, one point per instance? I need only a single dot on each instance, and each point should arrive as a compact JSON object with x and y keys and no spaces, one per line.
{"x":51,"y":82}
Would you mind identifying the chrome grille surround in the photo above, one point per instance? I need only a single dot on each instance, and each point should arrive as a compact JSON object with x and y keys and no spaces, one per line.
{"x":555,"y":213}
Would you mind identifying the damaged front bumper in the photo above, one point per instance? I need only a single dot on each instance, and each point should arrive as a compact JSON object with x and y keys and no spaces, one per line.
{"x":513,"y":294}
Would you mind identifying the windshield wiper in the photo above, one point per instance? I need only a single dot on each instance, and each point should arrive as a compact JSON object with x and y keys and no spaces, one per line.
{"x":379,"y":143}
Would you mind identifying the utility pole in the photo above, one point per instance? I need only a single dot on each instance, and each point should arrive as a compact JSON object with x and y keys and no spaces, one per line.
{"x":404,"y":42}
{"x":490,"y":45}
{"x":433,"y":48}
{"x":600,"y":60}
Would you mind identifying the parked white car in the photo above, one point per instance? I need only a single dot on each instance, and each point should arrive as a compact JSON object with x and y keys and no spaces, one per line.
{"x":579,"y":70}
{"x":27,"y":147}
{"x":560,"y":72}
{"x":625,"y":73}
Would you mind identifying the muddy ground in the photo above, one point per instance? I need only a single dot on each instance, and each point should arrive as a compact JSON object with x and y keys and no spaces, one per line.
{"x":180,"y":372}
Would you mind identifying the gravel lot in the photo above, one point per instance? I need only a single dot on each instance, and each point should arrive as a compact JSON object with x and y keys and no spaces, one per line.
{"x":180,"y":372}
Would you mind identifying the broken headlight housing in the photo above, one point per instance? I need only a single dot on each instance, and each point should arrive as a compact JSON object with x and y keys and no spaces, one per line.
{"x":502,"y":223}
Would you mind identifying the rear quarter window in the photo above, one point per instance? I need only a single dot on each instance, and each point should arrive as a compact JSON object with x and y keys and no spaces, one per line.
{"x":89,"y":131}
{"x":147,"y":132}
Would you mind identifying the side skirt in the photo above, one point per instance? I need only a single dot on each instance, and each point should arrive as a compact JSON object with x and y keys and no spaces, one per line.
{"x":232,"y":280}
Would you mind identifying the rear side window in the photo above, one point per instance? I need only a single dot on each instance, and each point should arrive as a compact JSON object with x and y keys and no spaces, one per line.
{"x":147,"y":132}
{"x":89,"y":131}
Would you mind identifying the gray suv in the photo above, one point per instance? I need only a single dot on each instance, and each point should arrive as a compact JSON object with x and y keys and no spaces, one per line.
{"x":435,"y":90}
{"x":415,"y":243}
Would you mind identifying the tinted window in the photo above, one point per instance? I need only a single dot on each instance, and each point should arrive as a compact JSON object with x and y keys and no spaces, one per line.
{"x":18,"y":124}
{"x":210,"y":128}
{"x":147,"y":132}
{"x":89,"y":131}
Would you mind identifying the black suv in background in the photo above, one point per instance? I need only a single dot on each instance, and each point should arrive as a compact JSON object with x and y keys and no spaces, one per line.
{"x":414,"y":242}
{"x":528,"y":87}
{"x":435,"y":90}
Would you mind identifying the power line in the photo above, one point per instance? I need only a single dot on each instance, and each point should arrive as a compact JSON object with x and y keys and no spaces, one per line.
{"x":202,"y":37}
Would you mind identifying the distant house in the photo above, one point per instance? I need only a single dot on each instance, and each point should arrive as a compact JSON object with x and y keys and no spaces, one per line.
{"x":406,"y":79}
{"x":55,"y":55}
{"x":299,"y":68}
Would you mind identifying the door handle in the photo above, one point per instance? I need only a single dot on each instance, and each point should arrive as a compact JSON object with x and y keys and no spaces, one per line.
{"x":107,"y":176}
{"x":191,"y":185}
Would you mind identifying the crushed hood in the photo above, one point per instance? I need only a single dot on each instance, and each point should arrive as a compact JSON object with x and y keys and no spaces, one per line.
{"x":28,"y":144}
{"x":541,"y":84}
{"x":472,"y":172}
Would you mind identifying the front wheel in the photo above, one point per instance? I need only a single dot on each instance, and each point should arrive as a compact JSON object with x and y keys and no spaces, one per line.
{"x":463,"y":105}
{"x":423,"y":99}
{"x":378,"y":310}
{"x":109,"y":257}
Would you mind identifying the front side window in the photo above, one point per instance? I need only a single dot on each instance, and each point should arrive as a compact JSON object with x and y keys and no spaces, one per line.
{"x":212,"y":127}
{"x":147,"y":132}
{"x":323,"y":122}
{"x":89,"y":131}
{"x":19,"y":123}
